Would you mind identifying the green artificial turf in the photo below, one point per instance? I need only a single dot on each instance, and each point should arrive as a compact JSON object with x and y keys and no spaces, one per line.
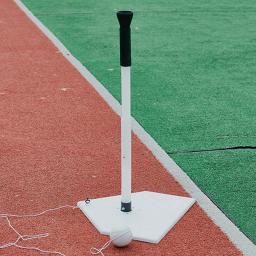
{"x":193,"y":74}
{"x":228,"y":178}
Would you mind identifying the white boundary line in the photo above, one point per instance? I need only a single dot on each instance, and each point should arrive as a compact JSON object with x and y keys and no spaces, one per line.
{"x":233,"y":233}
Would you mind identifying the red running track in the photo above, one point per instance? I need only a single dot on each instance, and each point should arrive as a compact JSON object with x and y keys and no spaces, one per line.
{"x":60,"y":143}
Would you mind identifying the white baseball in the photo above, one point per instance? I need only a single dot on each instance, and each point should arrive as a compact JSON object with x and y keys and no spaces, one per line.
{"x":121,"y":235}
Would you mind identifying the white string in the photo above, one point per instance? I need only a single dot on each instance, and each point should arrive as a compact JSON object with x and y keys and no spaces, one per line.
{"x":38,"y":214}
{"x":20,"y":237}
{"x":95,"y":251}
{"x":39,"y":250}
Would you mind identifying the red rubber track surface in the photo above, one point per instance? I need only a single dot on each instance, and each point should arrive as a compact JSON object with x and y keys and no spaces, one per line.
{"x":59,"y":146}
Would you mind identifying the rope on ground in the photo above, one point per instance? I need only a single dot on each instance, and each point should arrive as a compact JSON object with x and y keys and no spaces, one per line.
{"x":20,"y":237}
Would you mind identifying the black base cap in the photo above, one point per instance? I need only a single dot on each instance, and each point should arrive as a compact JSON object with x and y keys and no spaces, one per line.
{"x":126,"y":207}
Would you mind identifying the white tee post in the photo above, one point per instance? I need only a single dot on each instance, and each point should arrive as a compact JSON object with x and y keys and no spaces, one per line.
{"x":125,"y":18}
{"x":149,"y":215}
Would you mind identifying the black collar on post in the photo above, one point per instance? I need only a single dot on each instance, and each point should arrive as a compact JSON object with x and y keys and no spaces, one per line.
{"x":125,"y":19}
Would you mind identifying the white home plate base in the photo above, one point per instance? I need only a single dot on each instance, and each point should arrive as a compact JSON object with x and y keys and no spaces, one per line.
{"x":152,"y":216}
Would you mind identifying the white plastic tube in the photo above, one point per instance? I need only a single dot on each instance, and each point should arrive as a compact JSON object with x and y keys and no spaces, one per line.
{"x":126,"y":135}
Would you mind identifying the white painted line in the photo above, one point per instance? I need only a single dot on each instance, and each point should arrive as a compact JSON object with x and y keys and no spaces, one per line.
{"x":233,"y":233}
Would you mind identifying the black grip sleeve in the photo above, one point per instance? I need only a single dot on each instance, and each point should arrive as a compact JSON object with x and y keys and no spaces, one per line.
{"x":125,"y":19}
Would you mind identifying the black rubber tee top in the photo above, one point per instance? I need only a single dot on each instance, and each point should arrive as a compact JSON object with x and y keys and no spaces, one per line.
{"x":125,"y":19}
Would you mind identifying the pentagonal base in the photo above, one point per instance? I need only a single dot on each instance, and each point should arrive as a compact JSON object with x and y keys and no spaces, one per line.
{"x":152,"y":216}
